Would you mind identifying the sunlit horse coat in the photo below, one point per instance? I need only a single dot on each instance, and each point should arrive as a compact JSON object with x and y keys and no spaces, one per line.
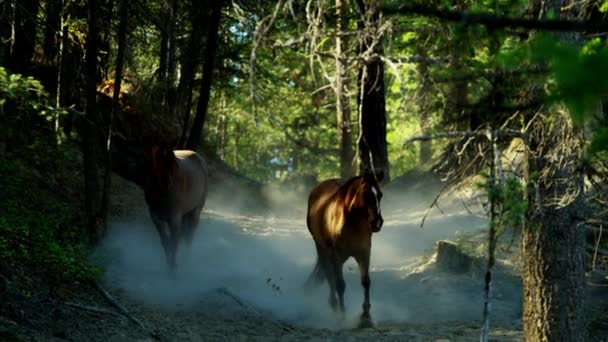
{"x":341,"y":219}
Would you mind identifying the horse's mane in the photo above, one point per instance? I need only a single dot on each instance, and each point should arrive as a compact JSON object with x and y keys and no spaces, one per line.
{"x":342,"y":192}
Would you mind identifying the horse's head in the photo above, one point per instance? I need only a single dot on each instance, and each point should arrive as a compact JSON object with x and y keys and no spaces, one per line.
{"x":367,"y":197}
{"x":161,"y":166}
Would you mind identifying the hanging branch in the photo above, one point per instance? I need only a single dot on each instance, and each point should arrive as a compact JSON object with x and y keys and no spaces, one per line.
{"x":486,"y":133}
{"x":495,"y":21}
{"x":260,"y":33}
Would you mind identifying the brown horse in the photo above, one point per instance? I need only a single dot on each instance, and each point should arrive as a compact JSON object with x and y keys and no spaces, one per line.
{"x":341,"y":219}
{"x":175,"y":190}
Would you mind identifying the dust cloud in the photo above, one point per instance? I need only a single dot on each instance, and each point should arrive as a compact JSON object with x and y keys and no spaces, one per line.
{"x":245,"y":264}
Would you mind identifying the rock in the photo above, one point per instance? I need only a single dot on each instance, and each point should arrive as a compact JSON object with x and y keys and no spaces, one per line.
{"x":451,"y":259}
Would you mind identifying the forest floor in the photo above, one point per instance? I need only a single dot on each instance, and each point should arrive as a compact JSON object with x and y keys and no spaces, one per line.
{"x":242,"y":276}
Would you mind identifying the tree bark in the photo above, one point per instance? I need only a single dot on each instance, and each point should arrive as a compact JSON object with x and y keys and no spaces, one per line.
{"x":6,"y":28}
{"x":51,"y":29}
{"x":372,"y":146}
{"x":89,"y":136}
{"x":164,"y":41}
{"x":426,"y":147}
{"x":25,"y":35}
{"x":553,"y":241}
{"x":169,"y":87}
{"x":183,"y":99}
{"x":341,"y":86}
{"x":210,"y":54}
{"x":120,"y":58}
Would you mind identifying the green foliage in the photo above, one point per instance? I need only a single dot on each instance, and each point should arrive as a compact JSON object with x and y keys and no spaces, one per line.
{"x":572,"y":80}
{"x":25,"y":107}
{"x":574,"y":71}
{"x":510,"y":202}
{"x":37,"y":228}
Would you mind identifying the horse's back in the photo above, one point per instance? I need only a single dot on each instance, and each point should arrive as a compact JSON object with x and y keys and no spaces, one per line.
{"x":321,"y":193}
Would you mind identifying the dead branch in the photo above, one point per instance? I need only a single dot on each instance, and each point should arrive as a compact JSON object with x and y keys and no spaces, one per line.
{"x":397,"y":60}
{"x":225,"y":291}
{"x":124,"y":311}
{"x":496,"y":21}
{"x":92,"y":309}
{"x":602,"y":251}
{"x":434,"y":203}
{"x":260,"y":33}
{"x":485,"y":133}
{"x":525,"y":70}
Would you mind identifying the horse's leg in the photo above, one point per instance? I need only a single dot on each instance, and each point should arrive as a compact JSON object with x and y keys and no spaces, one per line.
{"x":363,"y":261}
{"x":325,"y":258}
{"x":175,"y":225}
{"x":164,"y":237}
{"x":317,"y":275}
{"x":189,"y":224}
{"x":338,"y":261}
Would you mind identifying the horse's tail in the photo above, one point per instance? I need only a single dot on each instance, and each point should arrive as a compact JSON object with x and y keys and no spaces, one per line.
{"x":315,"y":278}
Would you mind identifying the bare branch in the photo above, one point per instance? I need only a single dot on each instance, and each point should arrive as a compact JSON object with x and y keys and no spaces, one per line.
{"x":485,"y":133}
{"x":261,"y":31}
{"x":494,"y":21}
{"x":433,"y":204}
{"x":92,"y":309}
{"x":124,"y":311}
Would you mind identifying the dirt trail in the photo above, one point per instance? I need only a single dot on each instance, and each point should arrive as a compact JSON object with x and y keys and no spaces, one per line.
{"x":242,"y":279}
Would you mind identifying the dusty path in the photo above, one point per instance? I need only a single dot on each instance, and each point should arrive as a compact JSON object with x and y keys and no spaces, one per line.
{"x":241,"y":279}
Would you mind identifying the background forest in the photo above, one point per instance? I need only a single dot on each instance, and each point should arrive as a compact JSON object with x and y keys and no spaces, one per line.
{"x":284,"y":94}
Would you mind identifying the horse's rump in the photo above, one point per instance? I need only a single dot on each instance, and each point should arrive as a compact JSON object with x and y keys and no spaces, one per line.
{"x":177,"y":184}
{"x":319,"y":200}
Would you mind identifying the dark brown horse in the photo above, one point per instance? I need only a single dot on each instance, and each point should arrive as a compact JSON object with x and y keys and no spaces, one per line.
{"x":175,"y":190}
{"x":341,"y":218}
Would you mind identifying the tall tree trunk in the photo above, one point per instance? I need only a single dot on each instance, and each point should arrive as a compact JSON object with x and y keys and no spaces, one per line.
{"x":210,"y":54}
{"x":120,"y":59}
{"x":51,"y":29}
{"x":456,"y":116}
{"x":372,"y":147}
{"x":426,"y":147}
{"x":26,"y":14}
{"x":6,"y":31}
{"x":166,"y":69}
{"x":190,"y":62}
{"x":71,"y":67}
{"x":164,"y":41}
{"x":104,"y":17}
{"x":341,"y":86}
{"x":89,"y":136}
{"x":169,"y":92}
{"x":553,"y":241}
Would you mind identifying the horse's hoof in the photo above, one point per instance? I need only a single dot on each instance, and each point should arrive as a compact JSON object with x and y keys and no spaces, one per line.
{"x":365,"y":322}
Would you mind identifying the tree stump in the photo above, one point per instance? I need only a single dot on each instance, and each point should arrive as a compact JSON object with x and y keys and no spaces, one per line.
{"x":451,"y":259}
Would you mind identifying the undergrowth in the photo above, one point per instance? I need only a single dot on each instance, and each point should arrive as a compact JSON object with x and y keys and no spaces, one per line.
{"x":40,"y":220}
{"x":39,"y":228}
